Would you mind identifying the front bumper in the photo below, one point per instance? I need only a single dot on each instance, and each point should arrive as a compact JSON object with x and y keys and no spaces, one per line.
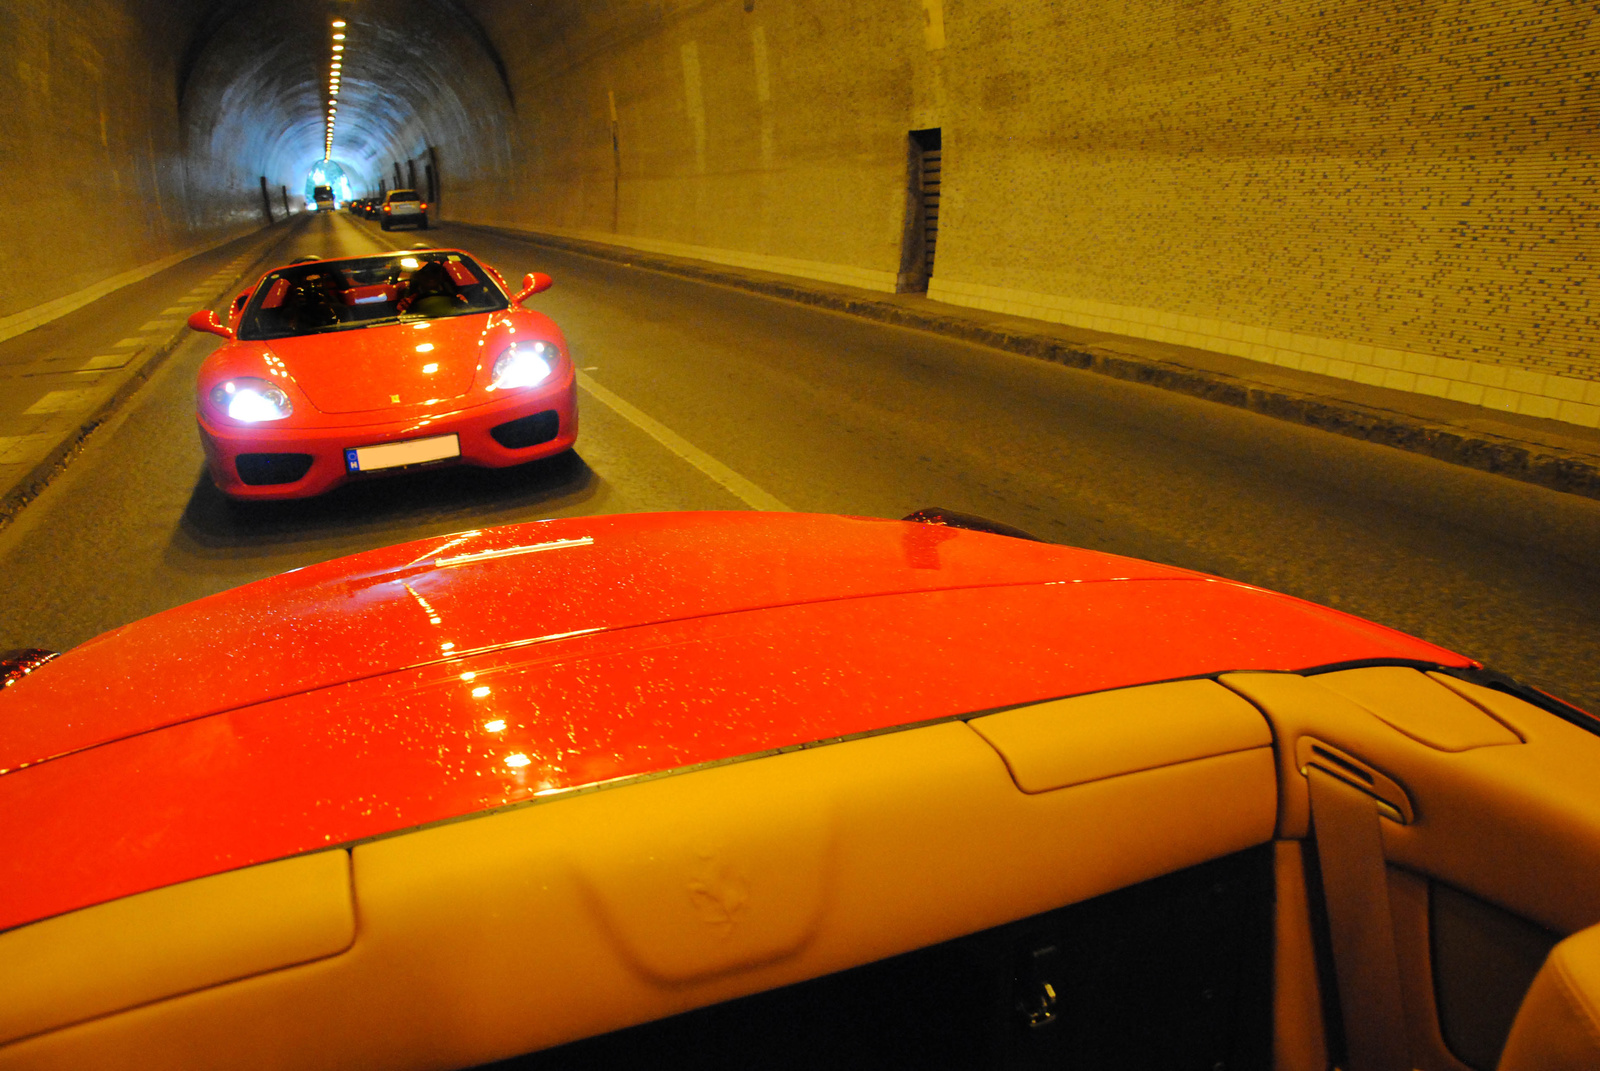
{"x":268,"y":451}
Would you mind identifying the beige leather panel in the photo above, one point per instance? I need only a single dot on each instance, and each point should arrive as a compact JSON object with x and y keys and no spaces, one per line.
{"x":485,"y":938}
{"x":1419,"y":706}
{"x":1088,"y":737}
{"x":1510,"y":825}
{"x":1558,"y":1026}
{"x":168,"y":941}
{"x":1498,"y":705}
{"x":1413,"y":945}
{"x":1299,"y":1037}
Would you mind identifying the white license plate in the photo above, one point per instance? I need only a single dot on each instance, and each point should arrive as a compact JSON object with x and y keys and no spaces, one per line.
{"x":410,"y":452}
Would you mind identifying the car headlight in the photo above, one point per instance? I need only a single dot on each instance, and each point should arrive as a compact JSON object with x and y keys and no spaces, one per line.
{"x":522,"y":364}
{"x":251,"y":400}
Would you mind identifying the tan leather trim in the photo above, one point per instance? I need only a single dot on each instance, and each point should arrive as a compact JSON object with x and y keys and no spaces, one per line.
{"x":1419,"y":706}
{"x":1510,"y":825}
{"x":485,"y":938}
{"x":1558,"y":1026}
{"x":1408,"y":907}
{"x":157,"y":944}
{"x":1299,"y":1041}
{"x":1486,"y":699}
{"x":1089,"y":737}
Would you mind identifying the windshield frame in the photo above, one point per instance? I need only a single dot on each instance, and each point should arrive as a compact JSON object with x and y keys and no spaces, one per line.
{"x":387,"y":274}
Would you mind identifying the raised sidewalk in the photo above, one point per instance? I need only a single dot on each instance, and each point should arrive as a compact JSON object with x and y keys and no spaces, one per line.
{"x":1551,"y":453}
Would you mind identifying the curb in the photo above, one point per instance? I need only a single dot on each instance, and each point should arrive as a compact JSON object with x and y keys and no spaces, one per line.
{"x":1572,"y":473}
{"x":32,"y":483}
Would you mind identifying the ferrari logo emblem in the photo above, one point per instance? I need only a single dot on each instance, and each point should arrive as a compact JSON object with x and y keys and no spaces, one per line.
{"x":395,"y":398}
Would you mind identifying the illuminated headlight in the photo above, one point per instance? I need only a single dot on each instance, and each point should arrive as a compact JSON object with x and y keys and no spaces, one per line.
{"x":251,"y":400}
{"x":523,"y":364}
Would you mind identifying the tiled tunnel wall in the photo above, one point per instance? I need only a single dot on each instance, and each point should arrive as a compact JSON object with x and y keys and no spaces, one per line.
{"x":1401,"y":192}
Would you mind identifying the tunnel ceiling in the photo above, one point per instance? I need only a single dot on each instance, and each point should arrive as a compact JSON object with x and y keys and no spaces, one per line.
{"x":252,"y":83}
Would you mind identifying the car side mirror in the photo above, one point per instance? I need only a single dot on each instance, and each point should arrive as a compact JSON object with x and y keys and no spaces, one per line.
{"x":533,"y":283}
{"x":206,"y":320}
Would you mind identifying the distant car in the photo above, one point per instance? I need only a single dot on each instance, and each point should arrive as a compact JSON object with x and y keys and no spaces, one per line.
{"x":322,"y":196}
{"x":403,"y":208}
{"x":748,"y":790}
{"x":341,"y":369}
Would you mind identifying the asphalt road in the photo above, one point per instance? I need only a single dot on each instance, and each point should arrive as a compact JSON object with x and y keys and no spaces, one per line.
{"x":828,"y":413}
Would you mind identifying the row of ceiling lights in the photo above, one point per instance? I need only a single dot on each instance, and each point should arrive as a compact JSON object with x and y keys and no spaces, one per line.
{"x":333,"y":85}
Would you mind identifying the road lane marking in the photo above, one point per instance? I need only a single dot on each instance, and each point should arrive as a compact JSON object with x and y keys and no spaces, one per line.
{"x":159,"y":325}
{"x":731,"y":481}
{"x":176,"y":310}
{"x":14,"y":448}
{"x":109,"y":360}
{"x":128,"y":344}
{"x":57,"y":400}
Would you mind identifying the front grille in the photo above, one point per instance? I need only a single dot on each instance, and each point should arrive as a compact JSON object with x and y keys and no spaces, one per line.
{"x":528,"y":431}
{"x":259,"y":469}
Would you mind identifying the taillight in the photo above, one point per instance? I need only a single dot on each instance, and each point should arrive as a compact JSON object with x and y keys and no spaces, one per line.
{"x":424,"y":206}
{"x":386,"y":208}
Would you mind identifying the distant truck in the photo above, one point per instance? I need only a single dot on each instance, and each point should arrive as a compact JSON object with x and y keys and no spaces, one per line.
{"x":323,"y":196}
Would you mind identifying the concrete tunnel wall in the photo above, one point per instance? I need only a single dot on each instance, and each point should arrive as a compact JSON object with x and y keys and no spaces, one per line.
{"x":95,"y":175}
{"x":1396,"y":192}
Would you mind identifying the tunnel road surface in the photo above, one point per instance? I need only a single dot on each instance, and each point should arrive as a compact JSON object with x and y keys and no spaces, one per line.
{"x":703,"y":397}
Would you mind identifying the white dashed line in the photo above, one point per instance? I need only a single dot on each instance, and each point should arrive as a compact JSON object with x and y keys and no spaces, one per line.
{"x":129,"y":343}
{"x":731,"y":481}
{"x":159,"y":325}
{"x":58,"y":400}
{"x":15,"y":448}
{"x":109,"y":360}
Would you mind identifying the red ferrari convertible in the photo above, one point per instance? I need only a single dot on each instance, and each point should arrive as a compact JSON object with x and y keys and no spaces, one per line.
{"x":783,"y":791}
{"x":338,"y":369}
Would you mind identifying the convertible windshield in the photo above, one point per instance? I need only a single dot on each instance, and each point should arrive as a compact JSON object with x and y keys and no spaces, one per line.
{"x":339,"y":295}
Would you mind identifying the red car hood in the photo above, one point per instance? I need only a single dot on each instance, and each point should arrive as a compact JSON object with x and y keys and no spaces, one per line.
{"x":458,"y":674}
{"x":358,"y":370}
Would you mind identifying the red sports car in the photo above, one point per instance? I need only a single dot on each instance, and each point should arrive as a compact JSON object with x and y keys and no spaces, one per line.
{"x":338,"y":369}
{"x":784,"y":791}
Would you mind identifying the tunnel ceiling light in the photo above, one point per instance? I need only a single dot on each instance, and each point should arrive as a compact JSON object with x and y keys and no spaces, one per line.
{"x":334,"y":75}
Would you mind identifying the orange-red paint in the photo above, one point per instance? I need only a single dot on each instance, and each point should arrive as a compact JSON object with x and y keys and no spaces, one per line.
{"x":368,"y":386}
{"x":456,"y":674}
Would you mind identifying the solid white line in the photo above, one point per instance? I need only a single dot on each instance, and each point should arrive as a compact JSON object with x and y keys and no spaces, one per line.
{"x":735,"y":484}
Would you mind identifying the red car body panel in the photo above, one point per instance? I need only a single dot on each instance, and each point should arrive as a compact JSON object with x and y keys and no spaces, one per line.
{"x":454,"y":675}
{"x":368,"y":368}
{"x":388,"y":383}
